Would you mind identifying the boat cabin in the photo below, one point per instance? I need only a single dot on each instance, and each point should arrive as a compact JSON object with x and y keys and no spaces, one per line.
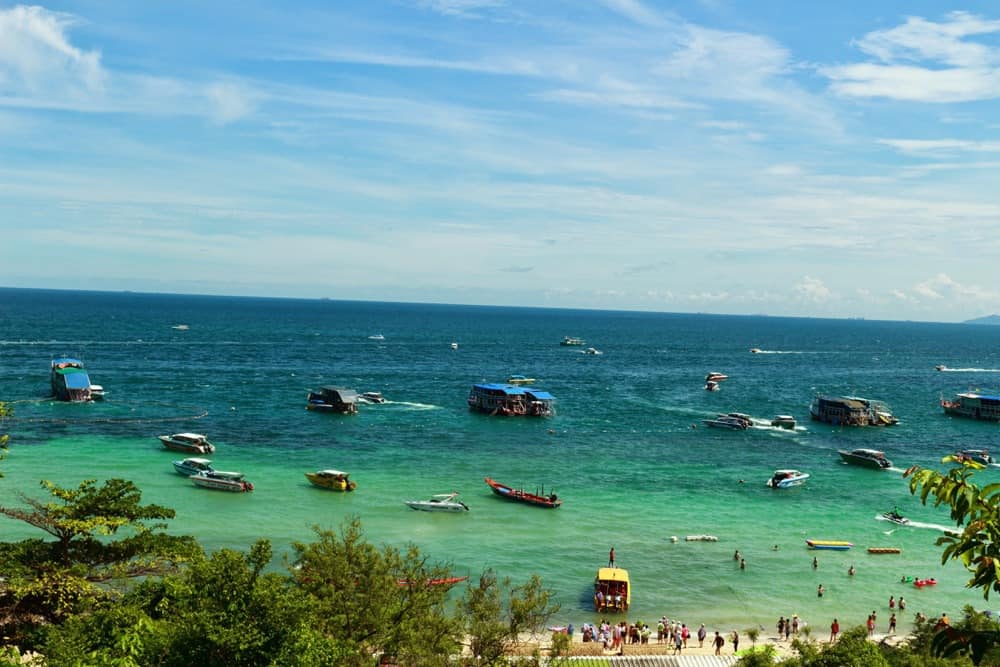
{"x":70,"y":381}
{"x":333,"y":399}
{"x":850,"y":411}
{"x":612,"y":590}
{"x":509,"y":400}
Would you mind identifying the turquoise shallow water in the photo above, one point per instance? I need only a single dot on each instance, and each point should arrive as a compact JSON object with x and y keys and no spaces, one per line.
{"x":621,"y":451}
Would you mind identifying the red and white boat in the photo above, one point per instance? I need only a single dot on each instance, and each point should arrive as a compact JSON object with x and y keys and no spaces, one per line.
{"x":221,"y":480}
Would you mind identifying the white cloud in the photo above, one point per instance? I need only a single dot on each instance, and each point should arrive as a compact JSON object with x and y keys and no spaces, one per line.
{"x":943,"y":286}
{"x":813,"y":290}
{"x":925,"y":146}
{"x":461,"y":8}
{"x":924,"y":61}
{"x":634,"y":11}
{"x":228,"y":102}
{"x":37,"y":60}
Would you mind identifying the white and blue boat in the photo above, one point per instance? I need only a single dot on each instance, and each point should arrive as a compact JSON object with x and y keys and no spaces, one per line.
{"x":193,"y":466}
{"x":787,"y":478}
{"x":70,"y":381}
{"x":510,"y":400}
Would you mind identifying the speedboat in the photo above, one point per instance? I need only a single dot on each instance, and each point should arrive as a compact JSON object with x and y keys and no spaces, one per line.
{"x":373,"y":397}
{"x":755,"y":350}
{"x":191,"y":443}
{"x":784,"y":421}
{"x":96,"y":392}
{"x":940,"y":367}
{"x":592,"y":350}
{"x":442,"y":502}
{"x":221,"y":480}
{"x":193,"y":466}
{"x":896,"y":517}
{"x":785,"y":479}
{"x":570,"y":340}
{"x":335,"y":480}
{"x":520,"y":379}
{"x":376,"y":337}
{"x":732,"y":421}
{"x":869,"y":458}
{"x":716,"y":377}
{"x":454,"y":346}
{"x":981,"y":456}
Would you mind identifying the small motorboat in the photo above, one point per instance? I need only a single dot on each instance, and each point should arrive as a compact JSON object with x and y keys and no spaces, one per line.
{"x":454,"y":346}
{"x":221,"y":480}
{"x":193,"y":466}
{"x":96,"y":392}
{"x":540,"y":499}
{"x":784,"y":421}
{"x":755,"y":350}
{"x":190,"y":443}
{"x":716,"y":377}
{"x":372,"y":397}
{"x":334,"y":480}
{"x":981,"y":456}
{"x":442,"y":502}
{"x":572,"y":342}
{"x":829,"y":545}
{"x":520,"y":379}
{"x":592,"y":350}
{"x":376,"y":337}
{"x":896,"y":518}
{"x":734,"y":421}
{"x":787,"y":478}
{"x":869,"y":458}
{"x":940,"y":367}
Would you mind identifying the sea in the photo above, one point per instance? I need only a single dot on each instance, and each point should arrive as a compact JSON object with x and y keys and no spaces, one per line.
{"x":627,"y":450}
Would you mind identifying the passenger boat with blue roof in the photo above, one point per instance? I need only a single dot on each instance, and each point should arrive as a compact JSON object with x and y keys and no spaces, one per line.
{"x":850,"y":411}
{"x":70,"y":381}
{"x":509,"y":399}
{"x":974,"y":405}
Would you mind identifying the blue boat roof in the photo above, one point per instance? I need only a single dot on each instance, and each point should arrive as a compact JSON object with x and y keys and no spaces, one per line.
{"x":541,"y":395}
{"x":511,"y":389}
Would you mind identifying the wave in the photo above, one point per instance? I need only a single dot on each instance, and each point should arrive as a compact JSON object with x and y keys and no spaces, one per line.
{"x":969,"y":370}
{"x":917,"y":524}
{"x":415,"y":406}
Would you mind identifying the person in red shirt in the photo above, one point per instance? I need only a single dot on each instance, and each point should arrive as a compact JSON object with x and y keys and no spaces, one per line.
{"x":834,"y":630}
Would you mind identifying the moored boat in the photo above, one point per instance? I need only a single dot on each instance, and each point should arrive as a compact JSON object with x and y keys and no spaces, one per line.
{"x":571,"y":341}
{"x":869,"y":458}
{"x":884,"y":550}
{"x":333,"y":399}
{"x":850,"y":411}
{"x":784,"y":421}
{"x":96,"y":392}
{"x":335,"y":480}
{"x":612,"y":589}
{"x":787,"y":478}
{"x":510,"y":400}
{"x":716,"y":377}
{"x":191,"y":443}
{"x":829,"y":545}
{"x":192,"y":466}
{"x":69,"y":380}
{"x":441,"y":502}
{"x":974,"y":405}
{"x":221,"y":480}
{"x":540,"y":499}
{"x":520,"y":379}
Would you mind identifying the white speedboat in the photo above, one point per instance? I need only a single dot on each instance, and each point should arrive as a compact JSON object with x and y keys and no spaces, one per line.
{"x":734,"y":421}
{"x":373,"y":397}
{"x":191,"y":443}
{"x":442,"y":502}
{"x":193,"y":466}
{"x":221,"y":480}
{"x":376,"y":337}
{"x":896,"y":518}
{"x":592,"y":350}
{"x":784,"y":421}
{"x":785,"y":479}
{"x":981,"y":456}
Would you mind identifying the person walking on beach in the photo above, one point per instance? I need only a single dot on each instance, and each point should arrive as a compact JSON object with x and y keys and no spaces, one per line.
{"x":701,"y":635}
{"x":795,"y":624}
{"x":678,"y":643}
{"x":736,"y":642}
{"x":781,"y":628}
{"x":834,"y":630}
{"x":611,"y":557}
{"x":718,"y":642}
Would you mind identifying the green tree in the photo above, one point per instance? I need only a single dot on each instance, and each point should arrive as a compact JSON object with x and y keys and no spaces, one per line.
{"x":752,"y":634}
{"x":103,"y":535}
{"x":497,"y":613}
{"x":376,"y":601}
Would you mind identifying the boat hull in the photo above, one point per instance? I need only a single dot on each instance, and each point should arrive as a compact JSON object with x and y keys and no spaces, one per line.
{"x":521,"y":496}
{"x":186,"y":446}
{"x":428,"y":506}
{"x":331,"y":484}
{"x":864,"y":461}
{"x":222,"y":484}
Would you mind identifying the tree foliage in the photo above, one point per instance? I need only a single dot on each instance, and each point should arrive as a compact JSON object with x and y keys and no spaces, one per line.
{"x":102,"y":535}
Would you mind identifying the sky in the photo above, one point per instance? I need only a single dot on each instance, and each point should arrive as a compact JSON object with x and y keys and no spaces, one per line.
{"x":772,"y":157}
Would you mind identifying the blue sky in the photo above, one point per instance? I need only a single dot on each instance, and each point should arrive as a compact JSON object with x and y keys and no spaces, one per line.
{"x":789,"y":158}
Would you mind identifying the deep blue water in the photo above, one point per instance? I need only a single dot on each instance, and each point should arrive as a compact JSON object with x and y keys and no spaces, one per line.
{"x":625,"y":450}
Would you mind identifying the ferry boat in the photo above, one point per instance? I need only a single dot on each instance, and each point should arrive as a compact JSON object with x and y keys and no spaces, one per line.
{"x":786,"y":479}
{"x":540,"y":499}
{"x":869,"y":458}
{"x":974,"y":405}
{"x":333,"y":399}
{"x":191,"y":443}
{"x":850,"y":411}
{"x":569,"y":340}
{"x":829,"y":545}
{"x":70,"y":381}
{"x":612,"y":589}
{"x":509,"y":399}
